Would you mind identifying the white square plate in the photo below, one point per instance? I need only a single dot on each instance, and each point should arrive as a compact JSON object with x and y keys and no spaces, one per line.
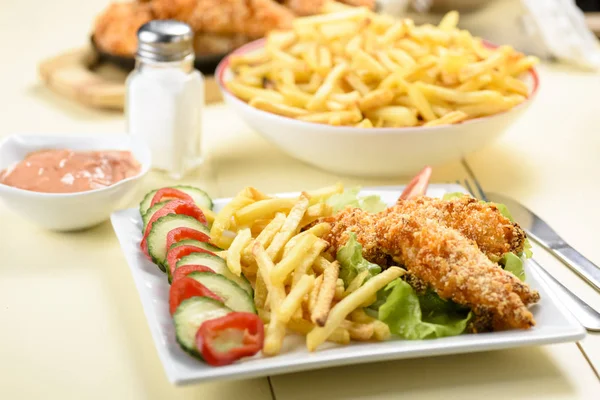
{"x":554,"y":323}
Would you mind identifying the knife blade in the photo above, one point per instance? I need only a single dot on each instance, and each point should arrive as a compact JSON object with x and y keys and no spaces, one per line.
{"x":543,"y":234}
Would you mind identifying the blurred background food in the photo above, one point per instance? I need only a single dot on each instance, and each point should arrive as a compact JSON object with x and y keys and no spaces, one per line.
{"x":220,"y":25}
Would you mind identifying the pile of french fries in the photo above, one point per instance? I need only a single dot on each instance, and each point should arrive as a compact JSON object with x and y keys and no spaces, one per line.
{"x":277,"y":243}
{"x":353,"y":67}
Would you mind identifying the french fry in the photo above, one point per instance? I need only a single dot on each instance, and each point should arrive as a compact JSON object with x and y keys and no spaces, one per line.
{"x":222,"y":221}
{"x":276,"y":329}
{"x":453,"y":117}
{"x":253,"y":57}
{"x":317,"y":102}
{"x":349,"y":14}
{"x":365,"y":123}
{"x":359,"y":331}
{"x":381,"y":331}
{"x":247,"y":93}
{"x":259,"y":225}
{"x":362,"y":60}
{"x":350,"y":98}
{"x":234,"y":253}
{"x":260,"y":292}
{"x":320,"y":264}
{"x":359,"y":315}
{"x":357,"y":84}
{"x":455,"y":96}
{"x":320,"y":195}
{"x":339,"y":290}
{"x":471,"y":70}
{"x":303,"y":327}
{"x":264,"y":315}
{"x":395,"y":115}
{"x":288,"y":228}
{"x":263,"y":209}
{"x":376,"y":99}
{"x":314,"y":293}
{"x":449,"y":21}
{"x":476,"y":83}
{"x":303,"y":265}
{"x":276,"y":108}
{"x":341,"y":310}
{"x":315,"y":212}
{"x":326,"y":292}
{"x":265,"y":236}
{"x":319,"y":230}
{"x":307,"y":261}
{"x":356,"y":282}
{"x":293,"y":258}
{"x":420,"y":103}
{"x":343,"y":117}
{"x":293,"y":301}
{"x":209,"y":214}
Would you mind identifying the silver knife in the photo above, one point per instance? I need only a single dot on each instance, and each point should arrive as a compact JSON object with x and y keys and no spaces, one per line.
{"x":547,"y":237}
{"x":585,"y":314}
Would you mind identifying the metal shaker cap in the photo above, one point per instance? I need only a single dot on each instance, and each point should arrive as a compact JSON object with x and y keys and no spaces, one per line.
{"x":165,"y":40}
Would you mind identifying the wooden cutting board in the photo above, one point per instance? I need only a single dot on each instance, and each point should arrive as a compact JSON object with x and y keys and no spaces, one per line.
{"x":80,"y":76}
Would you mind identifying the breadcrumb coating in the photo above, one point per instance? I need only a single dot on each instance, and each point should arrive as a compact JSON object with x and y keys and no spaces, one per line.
{"x":483,"y":223}
{"x":451,"y":263}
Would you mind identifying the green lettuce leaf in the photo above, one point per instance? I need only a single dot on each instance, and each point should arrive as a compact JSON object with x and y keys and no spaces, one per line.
{"x":352,"y":262}
{"x":414,"y":318}
{"x":350,"y":197}
{"x":452,"y":196}
{"x":514,"y":264}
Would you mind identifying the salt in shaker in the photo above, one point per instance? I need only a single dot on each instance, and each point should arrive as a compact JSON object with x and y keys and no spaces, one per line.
{"x":165,"y":96}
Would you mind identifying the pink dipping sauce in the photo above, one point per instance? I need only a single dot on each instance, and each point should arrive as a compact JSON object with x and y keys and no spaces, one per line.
{"x":67,"y":171}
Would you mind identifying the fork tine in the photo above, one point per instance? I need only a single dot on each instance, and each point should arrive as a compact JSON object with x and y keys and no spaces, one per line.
{"x":469,"y":188}
{"x":482,"y":195}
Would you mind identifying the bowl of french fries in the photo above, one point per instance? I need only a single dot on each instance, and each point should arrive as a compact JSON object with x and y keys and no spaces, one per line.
{"x":360,"y":93}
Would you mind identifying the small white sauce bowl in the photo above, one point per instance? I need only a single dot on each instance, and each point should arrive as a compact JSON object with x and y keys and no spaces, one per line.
{"x":71,"y":211}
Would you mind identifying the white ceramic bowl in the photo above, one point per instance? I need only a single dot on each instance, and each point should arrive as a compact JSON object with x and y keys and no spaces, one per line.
{"x":370,"y":152}
{"x":70,"y":211}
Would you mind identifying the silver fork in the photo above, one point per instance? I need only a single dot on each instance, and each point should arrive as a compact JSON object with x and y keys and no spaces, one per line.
{"x":585,"y":314}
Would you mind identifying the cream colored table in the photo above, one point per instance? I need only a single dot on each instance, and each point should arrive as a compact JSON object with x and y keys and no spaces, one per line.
{"x":72,"y":323}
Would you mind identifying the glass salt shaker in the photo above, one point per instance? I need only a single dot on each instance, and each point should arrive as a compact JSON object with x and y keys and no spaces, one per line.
{"x":165,"y":97}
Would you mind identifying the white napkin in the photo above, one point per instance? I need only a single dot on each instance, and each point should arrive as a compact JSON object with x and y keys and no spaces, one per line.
{"x":550,"y":29}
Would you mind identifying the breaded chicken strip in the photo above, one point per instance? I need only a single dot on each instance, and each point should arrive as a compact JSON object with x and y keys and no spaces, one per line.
{"x":481,"y":222}
{"x":115,"y":29}
{"x":312,"y":7}
{"x":253,"y":18}
{"x":455,"y":268}
{"x":180,"y":10}
{"x":441,"y":257}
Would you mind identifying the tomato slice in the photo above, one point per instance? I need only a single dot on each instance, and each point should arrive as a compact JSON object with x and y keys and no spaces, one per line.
{"x":172,"y":207}
{"x":185,"y":270}
{"x":179,"y":234}
{"x":418,"y":185}
{"x":223,"y":340}
{"x":174,"y":254}
{"x":170,"y":193}
{"x":185,"y":288}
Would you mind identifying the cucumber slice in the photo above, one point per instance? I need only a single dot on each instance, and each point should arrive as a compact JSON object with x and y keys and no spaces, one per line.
{"x":151,"y":211}
{"x":200,"y":197}
{"x":197,"y":243}
{"x":157,"y":238}
{"x":218,"y":265}
{"x":188,"y":317}
{"x":232,"y":294}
